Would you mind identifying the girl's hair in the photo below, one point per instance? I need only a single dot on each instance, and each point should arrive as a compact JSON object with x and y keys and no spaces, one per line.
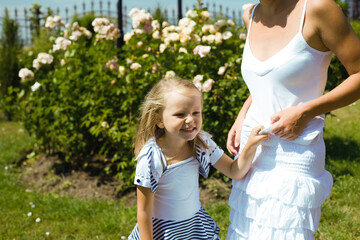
{"x":153,"y":106}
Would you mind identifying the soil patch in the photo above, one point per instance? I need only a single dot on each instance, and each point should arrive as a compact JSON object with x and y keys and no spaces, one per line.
{"x":51,"y":174}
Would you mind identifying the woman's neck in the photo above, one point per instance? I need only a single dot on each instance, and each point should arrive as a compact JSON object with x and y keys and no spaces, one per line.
{"x":273,"y":7}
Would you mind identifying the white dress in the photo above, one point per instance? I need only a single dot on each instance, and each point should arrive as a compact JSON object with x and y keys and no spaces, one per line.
{"x":281,"y":195}
{"x":177,"y":211}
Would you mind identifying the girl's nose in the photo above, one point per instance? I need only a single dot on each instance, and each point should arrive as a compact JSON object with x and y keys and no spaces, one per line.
{"x":189,"y":119}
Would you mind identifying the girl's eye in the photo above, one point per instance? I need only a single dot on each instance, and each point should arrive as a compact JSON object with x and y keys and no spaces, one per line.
{"x":196,"y":113}
{"x":179,"y":114}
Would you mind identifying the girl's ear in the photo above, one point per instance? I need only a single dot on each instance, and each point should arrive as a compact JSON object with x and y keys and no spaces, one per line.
{"x":159,"y":121}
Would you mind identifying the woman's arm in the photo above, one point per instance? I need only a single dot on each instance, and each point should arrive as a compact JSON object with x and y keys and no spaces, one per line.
{"x":237,"y":169}
{"x":335,"y":34}
{"x":145,"y":201}
{"x":233,"y":140}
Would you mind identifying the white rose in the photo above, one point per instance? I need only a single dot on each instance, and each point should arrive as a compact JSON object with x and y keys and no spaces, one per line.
{"x":122,"y":70}
{"x":156,"y":34}
{"x":226,"y":35}
{"x":221,"y":70}
{"x":26,"y":74}
{"x":135,"y":66}
{"x":198,"y":78}
{"x":183,"y":50}
{"x":170,"y":74}
{"x":206,"y":87}
{"x":202,"y":50}
{"x":35,"y":86}
{"x":162,"y":47}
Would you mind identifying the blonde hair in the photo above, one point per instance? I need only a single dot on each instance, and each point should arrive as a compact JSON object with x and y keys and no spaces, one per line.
{"x":153,"y":106}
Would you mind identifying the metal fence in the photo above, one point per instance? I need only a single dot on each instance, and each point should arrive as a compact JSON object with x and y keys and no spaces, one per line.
{"x":108,"y":10}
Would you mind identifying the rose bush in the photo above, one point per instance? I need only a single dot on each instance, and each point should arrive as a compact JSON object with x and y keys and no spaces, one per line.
{"x":82,"y":97}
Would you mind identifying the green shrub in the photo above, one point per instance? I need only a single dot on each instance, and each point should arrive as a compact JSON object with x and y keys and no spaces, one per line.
{"x":90,"y":93}
{"x":9,"y":66}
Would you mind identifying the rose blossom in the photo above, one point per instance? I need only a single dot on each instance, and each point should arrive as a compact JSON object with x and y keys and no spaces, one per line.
{"x":26,"y":74}
{"x":206,"y":87}
{"x":202,"y":50}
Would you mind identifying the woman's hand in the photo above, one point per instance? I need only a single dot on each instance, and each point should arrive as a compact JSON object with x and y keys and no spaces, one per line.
{"x":289,"y":123}
{"x":233,"y":140}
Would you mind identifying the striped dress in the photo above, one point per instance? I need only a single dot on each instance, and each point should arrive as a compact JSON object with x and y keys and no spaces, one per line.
{"x":177,"y":211}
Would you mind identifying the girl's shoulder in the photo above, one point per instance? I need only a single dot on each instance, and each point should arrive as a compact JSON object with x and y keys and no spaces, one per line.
{"x":151,"y":155}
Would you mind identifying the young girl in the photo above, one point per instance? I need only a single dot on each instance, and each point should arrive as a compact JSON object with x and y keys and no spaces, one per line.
{"x":171,"y":151}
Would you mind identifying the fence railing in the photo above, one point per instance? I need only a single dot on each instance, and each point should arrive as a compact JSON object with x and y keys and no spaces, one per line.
{"x":107,"y":9}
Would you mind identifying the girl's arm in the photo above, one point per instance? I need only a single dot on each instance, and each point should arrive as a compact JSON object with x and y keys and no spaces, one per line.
{"x":237,"y":169}
{"x":337,"y":35}
{"x":145,"y":201}
{"x":233,"y":140}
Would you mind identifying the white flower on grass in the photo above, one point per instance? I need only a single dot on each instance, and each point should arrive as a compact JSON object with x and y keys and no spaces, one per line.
{"x":135,"y":66}
{"x":28,"y":190}
{"x":26,"y":74}
{"x":170,"y":74}
{"x":61,"y":43}
{"x":29,"y":214}
{"x":38,"y":220}
{"x":123,"y":237}
{"x":6,"y":167}
{"x":47,"y":233}
{"x":140,"y":44}
{"x":206,"y":87}
{"x":105,"y":124}
{"x":35,"y":86}
{"x":221,"y":70}
{"x":122,"y":70}
{"x":202,"y":50}
{"x":33,"y":206}
{"x":226,"y":35}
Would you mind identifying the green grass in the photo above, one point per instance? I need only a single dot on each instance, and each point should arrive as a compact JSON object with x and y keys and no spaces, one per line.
{"x":69,"y":218}
{"x":62,"y":217}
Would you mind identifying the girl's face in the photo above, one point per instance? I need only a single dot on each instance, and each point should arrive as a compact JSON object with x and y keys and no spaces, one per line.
{"x":181,"y":117}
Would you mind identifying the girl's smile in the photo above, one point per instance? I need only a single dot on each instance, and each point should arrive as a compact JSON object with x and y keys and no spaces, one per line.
{"x":181,"y":118}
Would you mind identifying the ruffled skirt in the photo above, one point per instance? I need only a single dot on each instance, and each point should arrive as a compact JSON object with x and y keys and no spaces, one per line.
{"x":201,"y":226}
{"x":281,"y":196}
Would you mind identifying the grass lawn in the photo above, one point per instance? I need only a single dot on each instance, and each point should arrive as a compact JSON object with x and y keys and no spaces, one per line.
{"x":69,"y":218}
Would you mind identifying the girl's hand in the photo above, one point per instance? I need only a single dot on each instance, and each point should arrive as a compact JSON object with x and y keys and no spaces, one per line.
{"x":289,"y":123}
{"x":255,"y":138}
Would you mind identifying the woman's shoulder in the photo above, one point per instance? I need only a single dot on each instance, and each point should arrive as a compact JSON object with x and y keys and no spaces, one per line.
{"x":247,"y":13}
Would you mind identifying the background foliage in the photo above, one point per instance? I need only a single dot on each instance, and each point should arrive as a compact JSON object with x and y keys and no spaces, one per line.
{"x":89,"y":95}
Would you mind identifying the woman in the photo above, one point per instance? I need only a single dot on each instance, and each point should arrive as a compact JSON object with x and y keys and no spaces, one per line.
{"x":285,"y":61}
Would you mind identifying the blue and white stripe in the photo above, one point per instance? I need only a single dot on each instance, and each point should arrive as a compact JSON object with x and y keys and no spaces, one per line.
{"x":201,"y":227}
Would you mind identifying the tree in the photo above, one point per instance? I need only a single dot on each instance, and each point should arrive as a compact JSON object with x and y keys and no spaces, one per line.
{"x":9,"y":66}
